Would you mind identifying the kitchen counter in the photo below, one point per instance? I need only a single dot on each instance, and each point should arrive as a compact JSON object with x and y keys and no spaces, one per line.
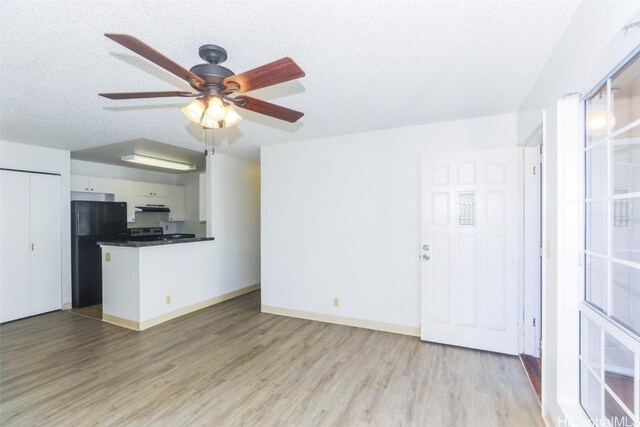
{"x":148,"y":283}
{"x":136,"y":244}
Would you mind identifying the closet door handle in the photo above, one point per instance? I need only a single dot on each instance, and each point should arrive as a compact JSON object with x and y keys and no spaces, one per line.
{"x":32,"y":247}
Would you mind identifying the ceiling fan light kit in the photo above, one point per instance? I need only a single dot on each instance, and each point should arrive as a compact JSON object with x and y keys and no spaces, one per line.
{"x":217,"y":87}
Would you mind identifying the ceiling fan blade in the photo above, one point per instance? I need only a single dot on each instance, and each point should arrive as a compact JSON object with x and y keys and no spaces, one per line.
{"x":279,"y":71}
{"x":134,"y":95}
{"x":267,"y":108}
{"x":154,"y":56}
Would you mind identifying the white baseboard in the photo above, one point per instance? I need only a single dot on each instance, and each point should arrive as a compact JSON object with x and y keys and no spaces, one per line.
{"x":119,"y":321}
{"x":146,"y":324}
{"x":413,"y":331}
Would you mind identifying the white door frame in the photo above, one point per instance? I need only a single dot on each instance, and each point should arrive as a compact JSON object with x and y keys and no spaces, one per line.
{"x":531,"y":330}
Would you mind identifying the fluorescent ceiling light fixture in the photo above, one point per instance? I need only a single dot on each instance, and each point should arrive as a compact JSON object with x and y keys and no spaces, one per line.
{"x":159,"y":163}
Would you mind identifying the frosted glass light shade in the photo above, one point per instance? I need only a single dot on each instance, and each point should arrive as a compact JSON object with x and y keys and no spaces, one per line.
{"x":232,"y":117}
{"x":194,"y":110}
{"x":215,"y":110}
{"x":209,"y":123}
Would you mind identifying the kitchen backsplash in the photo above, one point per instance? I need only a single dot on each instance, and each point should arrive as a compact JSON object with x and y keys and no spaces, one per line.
{"x":154,"y":219}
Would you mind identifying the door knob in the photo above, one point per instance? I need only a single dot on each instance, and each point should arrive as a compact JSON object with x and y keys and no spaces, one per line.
{"x":426,"y":257}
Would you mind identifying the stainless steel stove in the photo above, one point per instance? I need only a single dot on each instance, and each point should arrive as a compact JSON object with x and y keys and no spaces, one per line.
{"x":148,"y":234}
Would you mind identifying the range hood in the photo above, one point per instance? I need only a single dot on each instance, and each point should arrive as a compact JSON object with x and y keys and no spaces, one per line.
{"x":152,"y":208}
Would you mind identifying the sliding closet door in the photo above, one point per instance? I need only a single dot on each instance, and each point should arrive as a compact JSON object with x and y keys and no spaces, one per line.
{"x":45,"y":238}
{"x":14,"y":245}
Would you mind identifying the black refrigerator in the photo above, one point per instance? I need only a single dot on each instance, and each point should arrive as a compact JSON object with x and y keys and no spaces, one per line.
{"x":92,"y":222}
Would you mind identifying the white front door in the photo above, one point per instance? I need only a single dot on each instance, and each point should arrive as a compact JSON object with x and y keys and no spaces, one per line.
{"x":470,"y":249}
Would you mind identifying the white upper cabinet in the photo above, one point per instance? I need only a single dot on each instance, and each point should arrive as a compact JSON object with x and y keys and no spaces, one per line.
{"x":80,"y":183}
{"x":103,"y":185}
{"x":135,"y":192}
{"x":93,"y":184}
{"x":177,"y":203}
{"x":151,"y":189}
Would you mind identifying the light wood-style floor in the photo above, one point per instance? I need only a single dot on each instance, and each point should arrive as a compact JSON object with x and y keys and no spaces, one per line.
{"x":94,"y":311}
{"x":232,"y":365}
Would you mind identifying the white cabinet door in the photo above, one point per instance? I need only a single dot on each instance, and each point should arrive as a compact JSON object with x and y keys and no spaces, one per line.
{"x":93,"y":184}
{"x":14,"y":245}
{"x":202,"y":199}
{"x":151,"y":189}
{"x":80,"y":183}
{"x":45,"y":221}
{"x":125,"y":193}
{"x":470,"y":258}
{"x":177,"y":203}
{"x":103,"y":185}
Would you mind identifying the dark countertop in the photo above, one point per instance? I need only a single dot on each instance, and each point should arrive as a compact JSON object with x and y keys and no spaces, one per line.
{"x":132,"y":244}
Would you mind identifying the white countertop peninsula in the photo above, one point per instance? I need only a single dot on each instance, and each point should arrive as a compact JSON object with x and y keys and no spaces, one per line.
{"x":147,"y":283}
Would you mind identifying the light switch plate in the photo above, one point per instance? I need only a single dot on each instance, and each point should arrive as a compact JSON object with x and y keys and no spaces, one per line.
{"x":107,"y":256}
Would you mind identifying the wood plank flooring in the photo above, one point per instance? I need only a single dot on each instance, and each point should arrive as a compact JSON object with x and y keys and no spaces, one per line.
{"x":533,"y":368}
{"x":94,"y":311}
{"x":231,"y":365}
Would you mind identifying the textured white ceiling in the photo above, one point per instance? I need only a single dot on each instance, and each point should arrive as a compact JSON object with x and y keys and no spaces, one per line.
{"x":370,"y":65}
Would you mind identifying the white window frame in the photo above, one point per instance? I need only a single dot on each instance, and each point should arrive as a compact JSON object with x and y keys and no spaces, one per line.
{"x":602,"y":320}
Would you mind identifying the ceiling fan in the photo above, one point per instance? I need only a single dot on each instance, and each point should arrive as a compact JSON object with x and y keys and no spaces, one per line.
{"x":217,"y":87}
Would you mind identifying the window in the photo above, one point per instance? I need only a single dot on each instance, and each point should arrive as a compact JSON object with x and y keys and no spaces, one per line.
{"x":610,"y":310}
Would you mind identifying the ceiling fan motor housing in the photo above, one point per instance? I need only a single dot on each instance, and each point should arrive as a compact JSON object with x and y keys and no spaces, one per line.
{"x":212,"y":73}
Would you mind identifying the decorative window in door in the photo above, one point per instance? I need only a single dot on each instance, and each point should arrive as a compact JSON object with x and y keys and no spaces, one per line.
{"x":467,"y":209}
{"x":610,"y":310}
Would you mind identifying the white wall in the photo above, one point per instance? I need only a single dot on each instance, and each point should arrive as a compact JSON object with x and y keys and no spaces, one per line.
{"x":591,"y":46}
{"x":233,"y":218}
{"x":341,"y":217}
{"x":40,"y":159}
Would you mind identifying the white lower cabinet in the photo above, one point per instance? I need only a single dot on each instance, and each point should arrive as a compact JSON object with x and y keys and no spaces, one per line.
{"x":30,"y":265}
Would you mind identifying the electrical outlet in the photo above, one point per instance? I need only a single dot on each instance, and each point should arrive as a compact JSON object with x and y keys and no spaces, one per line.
{"x":167,"y":299}
{"x":107,"y":256}
{"x":336,"y":302}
